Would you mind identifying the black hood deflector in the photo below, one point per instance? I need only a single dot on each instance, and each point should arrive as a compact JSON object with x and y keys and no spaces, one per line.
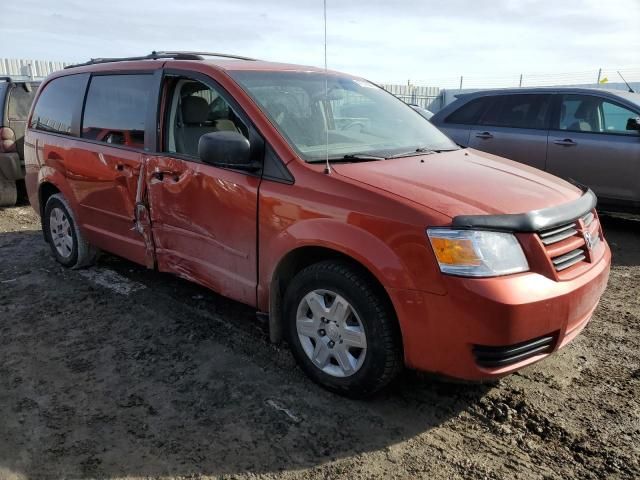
{"x":533,"y":221}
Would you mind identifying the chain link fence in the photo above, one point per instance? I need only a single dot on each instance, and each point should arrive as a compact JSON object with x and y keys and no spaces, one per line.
{"x":431,"y":93}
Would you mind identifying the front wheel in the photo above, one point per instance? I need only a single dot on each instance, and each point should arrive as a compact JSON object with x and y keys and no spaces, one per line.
{"x":342,"y":331}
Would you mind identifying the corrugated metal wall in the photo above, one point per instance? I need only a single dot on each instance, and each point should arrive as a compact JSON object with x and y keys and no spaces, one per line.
{"x":23,"y":68}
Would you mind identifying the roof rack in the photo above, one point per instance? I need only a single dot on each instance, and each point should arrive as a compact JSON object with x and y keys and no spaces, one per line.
{"x":174,"y":55}
{"x":206,"y":54}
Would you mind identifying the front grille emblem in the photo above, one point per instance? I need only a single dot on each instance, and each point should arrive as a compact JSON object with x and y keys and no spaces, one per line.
{"x":589,"y":240}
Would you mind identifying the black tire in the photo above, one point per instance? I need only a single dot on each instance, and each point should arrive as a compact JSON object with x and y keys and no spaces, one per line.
{"x":81,"y":253}
{"x":384,"y":358}
{"x":8,"y":193}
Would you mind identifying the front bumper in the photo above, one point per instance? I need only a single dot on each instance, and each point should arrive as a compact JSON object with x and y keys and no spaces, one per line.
{"x":11,"y":167}
{"x":444,"y":334}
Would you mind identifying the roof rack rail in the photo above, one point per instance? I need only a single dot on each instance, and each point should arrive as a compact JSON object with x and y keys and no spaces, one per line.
{"x":174,"y":55}
{"x":207,"y":54}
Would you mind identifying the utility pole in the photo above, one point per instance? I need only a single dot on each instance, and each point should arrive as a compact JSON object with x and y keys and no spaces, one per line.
{"x":520,"y":81}
{"x":599,"y":74}
{"x":461,"y":82}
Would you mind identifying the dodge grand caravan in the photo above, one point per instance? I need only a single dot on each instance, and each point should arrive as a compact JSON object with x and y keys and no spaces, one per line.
{"x":369,"y":238}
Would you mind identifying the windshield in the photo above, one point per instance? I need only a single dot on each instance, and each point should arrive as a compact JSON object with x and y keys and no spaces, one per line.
{"x":358,"y":117}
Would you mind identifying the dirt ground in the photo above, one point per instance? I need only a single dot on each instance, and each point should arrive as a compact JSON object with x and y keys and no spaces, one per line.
{"x":117,"y":372}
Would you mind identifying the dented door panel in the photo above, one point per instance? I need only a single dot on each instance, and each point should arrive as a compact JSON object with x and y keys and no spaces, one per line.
{"x":104,"y":182}
{"x":204,"y":224}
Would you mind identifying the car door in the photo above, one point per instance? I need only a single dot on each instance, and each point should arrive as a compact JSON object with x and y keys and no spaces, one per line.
{"x":515,"y":126}
{"x":103,"y":172}
{"x":590,"y":143}
{"x":203,"y":217}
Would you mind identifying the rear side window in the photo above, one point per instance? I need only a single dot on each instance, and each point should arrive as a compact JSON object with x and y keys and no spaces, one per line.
{"x":116,"y":109}
{"x":20,"y":102}
{"x":54,"y":110}
{"x":469,"y":112}
{"x":518,"y":111}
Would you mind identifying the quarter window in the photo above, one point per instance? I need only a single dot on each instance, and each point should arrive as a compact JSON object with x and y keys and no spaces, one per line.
{"x":116,"y":109}
{"x":54,"y":110}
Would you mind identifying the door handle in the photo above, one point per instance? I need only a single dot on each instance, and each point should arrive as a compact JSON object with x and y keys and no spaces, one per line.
{"x":567,"y":142}
{"x":484,"y":135}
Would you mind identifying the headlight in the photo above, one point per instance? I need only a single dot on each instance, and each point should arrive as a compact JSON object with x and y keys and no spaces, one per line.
{"x":476,"y":253}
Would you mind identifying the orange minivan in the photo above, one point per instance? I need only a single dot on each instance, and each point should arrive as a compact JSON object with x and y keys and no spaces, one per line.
{"x":367,"y":236}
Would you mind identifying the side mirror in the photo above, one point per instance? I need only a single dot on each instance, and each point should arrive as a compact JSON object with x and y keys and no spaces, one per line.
{"x":226,"y":149}
{"x":633,"y":124}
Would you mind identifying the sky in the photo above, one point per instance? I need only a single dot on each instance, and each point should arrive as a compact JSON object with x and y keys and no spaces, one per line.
{"x":425,"y":42}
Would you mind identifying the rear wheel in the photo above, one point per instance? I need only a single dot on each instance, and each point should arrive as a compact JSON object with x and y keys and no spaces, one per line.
{"x":342,"y":331}
{"x":8,"y":193}
{"x":65,"y":239}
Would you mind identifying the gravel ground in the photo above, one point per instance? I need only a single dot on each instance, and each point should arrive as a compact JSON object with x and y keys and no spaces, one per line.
{"x":120,"y":372}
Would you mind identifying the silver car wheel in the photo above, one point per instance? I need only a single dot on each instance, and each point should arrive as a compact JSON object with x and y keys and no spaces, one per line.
{"x":60,"y":229}
{"x":331,"y":333}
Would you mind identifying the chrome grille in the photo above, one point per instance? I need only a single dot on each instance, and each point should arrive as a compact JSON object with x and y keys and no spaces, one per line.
{"x":565,"y":261}
{"x":558,"y":234}
{"x":565,"y":244}
{"x":588,"y":219}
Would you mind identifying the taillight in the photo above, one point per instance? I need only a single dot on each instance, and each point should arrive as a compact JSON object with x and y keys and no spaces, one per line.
{"x":7,"y":140}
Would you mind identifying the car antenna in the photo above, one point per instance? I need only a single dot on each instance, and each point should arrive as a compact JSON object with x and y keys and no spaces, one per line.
{"x":327,"y":166}
{"x":628,"y":86}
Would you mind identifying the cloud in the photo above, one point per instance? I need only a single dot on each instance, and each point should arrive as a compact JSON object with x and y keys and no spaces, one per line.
{"x":381,"y":40}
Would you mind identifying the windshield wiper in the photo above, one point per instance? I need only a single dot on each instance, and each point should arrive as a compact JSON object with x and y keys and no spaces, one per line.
{"x":421,"y":150}
{"x":352,"y":157}
{"x":417,"y":151}
{"x":362,"y":156}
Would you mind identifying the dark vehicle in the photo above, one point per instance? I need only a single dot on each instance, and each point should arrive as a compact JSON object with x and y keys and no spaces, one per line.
{"x":588,"y":135}
{"x":15,"y":100}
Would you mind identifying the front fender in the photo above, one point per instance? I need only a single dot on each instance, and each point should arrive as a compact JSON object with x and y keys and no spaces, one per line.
{"x":350,"y":240}
{"x":397,"y":255}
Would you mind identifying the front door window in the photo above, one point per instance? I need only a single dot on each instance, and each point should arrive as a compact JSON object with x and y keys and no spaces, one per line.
{"x":196,"y":109}
{"x":587,"y":113}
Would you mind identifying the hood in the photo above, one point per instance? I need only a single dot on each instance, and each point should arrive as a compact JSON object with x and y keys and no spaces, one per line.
{"x":464,"y":182}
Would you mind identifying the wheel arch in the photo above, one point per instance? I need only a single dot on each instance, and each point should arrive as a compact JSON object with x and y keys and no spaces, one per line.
{"x":45,"y":191}
{"x":298,"y":259}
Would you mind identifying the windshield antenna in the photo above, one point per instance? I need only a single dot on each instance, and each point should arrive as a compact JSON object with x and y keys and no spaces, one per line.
{"x":628,"y":86}
{"x":327,"y":167}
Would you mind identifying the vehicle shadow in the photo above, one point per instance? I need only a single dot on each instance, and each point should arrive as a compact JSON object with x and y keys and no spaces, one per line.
{"x":171,"y":380}
{"x":623,"y":236}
